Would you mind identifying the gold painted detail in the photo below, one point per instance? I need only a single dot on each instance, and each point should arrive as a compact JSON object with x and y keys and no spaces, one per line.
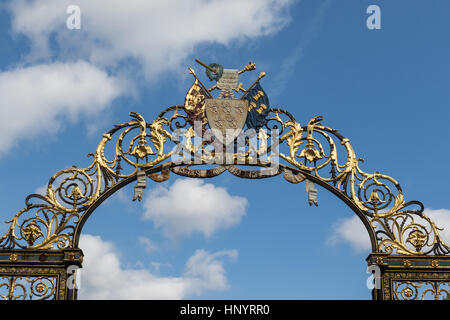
{"x":434,"y":263}
{"x":406,"y":263}
{"x":417,"y":238}
{"x":13,"y":257}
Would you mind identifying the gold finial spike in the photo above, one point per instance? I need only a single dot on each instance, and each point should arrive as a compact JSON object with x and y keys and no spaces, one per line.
{"x":249,"y":67}
{"x":206,"y":66}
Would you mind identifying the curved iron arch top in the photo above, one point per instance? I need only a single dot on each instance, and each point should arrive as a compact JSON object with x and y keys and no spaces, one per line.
{"x":138,"y":149}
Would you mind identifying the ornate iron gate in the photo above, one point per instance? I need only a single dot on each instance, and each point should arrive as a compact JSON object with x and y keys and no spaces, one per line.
{"x":40,"y":248}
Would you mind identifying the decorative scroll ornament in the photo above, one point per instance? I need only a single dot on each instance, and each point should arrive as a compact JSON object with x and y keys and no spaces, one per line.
{"x":293,"y":177}
{"x":140,"y":185}
{"x":179,"y":140}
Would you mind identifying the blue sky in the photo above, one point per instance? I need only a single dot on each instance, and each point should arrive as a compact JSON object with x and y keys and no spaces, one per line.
{"x":386,"y":90}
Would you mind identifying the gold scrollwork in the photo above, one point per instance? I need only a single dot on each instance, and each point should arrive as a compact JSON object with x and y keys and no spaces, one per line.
{"x":51,"y":220}
{"x":421,"y":290}
{"x":32,"y":288}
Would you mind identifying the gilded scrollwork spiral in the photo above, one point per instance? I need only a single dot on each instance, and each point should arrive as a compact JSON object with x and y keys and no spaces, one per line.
{"x":41,"y":288}
{"x":379,"y":195}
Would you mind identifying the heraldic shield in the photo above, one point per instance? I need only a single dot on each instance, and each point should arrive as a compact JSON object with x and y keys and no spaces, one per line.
{"x":226,"y":118}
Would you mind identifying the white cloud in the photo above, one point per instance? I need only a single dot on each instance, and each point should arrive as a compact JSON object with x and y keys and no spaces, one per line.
{"x":191,"y":205}
{"x":206,"y":270}
{"x":102,"y":277}
{"x":149,"y":245}
{"x":156,"y":266}
{"x":35,"y":99}
{"x":155,"y":36}
{"x":441,"y":217}
{"x":160,"y":34}
{"x":352,"y":231}
{"x":42,"y":190}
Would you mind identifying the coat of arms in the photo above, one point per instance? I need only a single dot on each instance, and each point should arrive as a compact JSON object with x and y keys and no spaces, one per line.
{"x":226,"y":114}
{"x":226,"y":117}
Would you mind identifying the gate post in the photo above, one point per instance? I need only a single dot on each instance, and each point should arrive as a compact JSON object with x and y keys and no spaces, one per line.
{"x":37,"y":274}
{"x":411,"y":277}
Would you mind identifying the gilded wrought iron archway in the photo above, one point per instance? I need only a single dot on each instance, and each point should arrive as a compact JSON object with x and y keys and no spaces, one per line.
{"x":41,"y":244}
